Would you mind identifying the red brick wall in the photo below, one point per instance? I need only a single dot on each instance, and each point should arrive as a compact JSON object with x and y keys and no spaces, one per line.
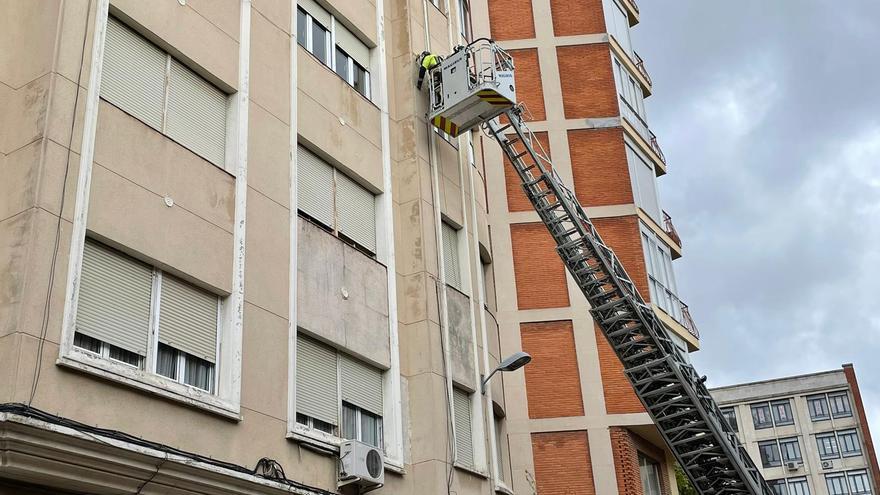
{"x":850,"y":373}
{"x":622,"y":234}
{"x":511,"y":19}
{"x":537,"y":269}
{"x":553,"y":385}
{"x":571,"y":17}
{"x":598,"y":161}
{"x":588,"y":89}
{"x":562,"y":463}
{"x":529,"y":89}
{"x":516,"y":198}
{"x":625,"y":447}
{"x":620,"y":398}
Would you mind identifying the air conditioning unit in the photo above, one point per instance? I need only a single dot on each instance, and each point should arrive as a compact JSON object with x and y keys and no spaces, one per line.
{"x":827,"y":464}
{"x":792,"y":466}
{"x":360,"y":464}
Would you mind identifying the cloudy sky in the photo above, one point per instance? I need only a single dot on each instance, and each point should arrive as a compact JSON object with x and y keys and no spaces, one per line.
{"x":769,"y":116}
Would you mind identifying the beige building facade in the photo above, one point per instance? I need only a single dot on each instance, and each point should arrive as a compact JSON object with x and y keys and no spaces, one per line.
{"x":227,"y":234}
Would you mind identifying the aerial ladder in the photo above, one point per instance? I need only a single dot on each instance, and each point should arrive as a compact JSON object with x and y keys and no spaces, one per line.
{"x":473,"y":87}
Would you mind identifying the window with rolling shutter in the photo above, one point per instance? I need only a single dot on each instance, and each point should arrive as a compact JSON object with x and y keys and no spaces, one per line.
{"x":451,"y":262}
{"x":316,"y":380}
{"x":336,"y":201}
{"x":146,"y":82}
{"x":361,"y":384}
{"x":464,"y":445}
{"x":119,"y":309}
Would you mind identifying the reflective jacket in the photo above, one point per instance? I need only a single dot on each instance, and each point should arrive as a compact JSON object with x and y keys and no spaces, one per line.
{"x":430,"y":61}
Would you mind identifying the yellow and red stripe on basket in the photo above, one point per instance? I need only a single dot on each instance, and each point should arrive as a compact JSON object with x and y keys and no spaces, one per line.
{"x":492,"y":97}
{"x":445,"y":125}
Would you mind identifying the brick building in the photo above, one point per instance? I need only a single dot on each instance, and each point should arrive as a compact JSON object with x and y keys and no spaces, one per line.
{"x":584,"y":430}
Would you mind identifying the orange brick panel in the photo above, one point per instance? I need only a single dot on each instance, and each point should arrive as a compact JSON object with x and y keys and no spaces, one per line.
{"x":553,"y":385}
{"x":516,"y":198}
{"x":537,"y":269}
{"x":562,"y":463}
{"x":598,"y":162}
{"x":620,"y":398}
{"x":588,"y":89}
{"x":622,"y":235}
{"x":625,"y":448}
{"x":529,"y":89}
{"x":572,"y":17}
{"x":511,"y":19}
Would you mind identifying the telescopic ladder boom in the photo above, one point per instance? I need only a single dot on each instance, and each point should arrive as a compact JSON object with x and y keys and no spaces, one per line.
{"x":670,"y":389}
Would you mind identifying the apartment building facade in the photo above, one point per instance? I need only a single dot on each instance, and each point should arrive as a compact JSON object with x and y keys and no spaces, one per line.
{"x":584,"y":430}
{"x":808,"y":434}
{"x":227,"y":233}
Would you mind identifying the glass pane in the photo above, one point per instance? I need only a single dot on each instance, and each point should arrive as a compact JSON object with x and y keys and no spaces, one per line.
{"x":320,"y":40}
{"x":782,"y":413}
{"x":349,"y":422}
{"x":124,"y":356}
{"x":361,"y":80}
{"x":302,"y":419}
{"x":342,"y":64}
{"x":301,"y":26}
{"x":87,"y":343}
{"x":499,"y":446}
{"x":166,"y":362}
{"x":818,"y":407}
{"x":322,"y":426}
{"x":840,"y":405}
{"x":370,"y":429}
{"x":778,"y":486}
{"x":198,"y":373}
{"x":836,"y":485}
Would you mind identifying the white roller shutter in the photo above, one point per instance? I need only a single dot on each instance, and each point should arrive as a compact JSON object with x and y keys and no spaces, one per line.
{"x":188,"y":318}
{"x":316,"y":11}
{"x":315,"y":186}
{"x":133,"y":76}
{"x":361,"y":384}
{"x":114,"y":298}
{"x":464,"y":445}
{"x":449,"y":244}
{"x":356,"y":212}
{"x":196,"y":115}
{"x":316,"y":380}
{"x":354,"y":47}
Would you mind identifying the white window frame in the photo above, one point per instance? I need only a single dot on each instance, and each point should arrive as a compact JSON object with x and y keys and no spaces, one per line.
{"x":331,"y":48}
{"x":661,"y":278}
{"x":359,"y":434}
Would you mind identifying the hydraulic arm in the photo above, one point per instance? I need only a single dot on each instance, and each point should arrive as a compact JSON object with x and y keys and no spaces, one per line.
{"x":670,"y":389}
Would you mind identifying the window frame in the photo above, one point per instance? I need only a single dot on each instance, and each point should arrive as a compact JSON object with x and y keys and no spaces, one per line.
{"x":359,"y":412}
{"x":802,"y":482}
{"x":822,"y":399}
{"x":821,"y":444}
{"x":837,"y":477}
{"x":851,"y":432}
{"x":847,"y":411}
{"x":766,"y":460}
{"x":734,"y":426}
{"x":764,"y":424}
{"x":797,"y":447}
{"x":866,"y":480}
{"x":649,"y":463}
{"x":786,"y":406}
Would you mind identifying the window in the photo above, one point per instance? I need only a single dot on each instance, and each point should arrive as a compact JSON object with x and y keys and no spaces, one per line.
{"x":827,"y":444}
{"x":464,"y":445}
{"x":618,"y":23}
{"x":782,"y":412}
{"x":836,"y":484}
{"x":132,"y":313}
{"x":849,"y":443}
{"x":769,"y":453}
{"x":662,"y":287}
{"x":649,"y":470}
{"x":730,"y":416}
{"x":144,"y":81}
{"x":644,"y":183}
{"x":335,"y":201}
{"x":464,"y":19}
{"x":859,"y":483}
{"x":791,"y":449}
{"x":761,"y":416}
{"x":840,"y":407}
{"x":818,"y":405}
{"x":778,"y":487}
{"x":451,"y":259}
{"x":348,"y":58}
{"x":327,"y":381}
{"x":500,"y":440}
{"x":798,"y":486}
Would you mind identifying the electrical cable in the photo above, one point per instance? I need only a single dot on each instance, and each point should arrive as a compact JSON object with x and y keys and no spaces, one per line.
{"x":44,"y":328}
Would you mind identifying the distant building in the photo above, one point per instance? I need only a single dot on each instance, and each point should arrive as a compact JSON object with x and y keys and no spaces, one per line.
{"x":808,"y":433}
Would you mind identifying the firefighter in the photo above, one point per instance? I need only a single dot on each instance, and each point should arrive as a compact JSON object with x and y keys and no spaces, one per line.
{"x":427,"y":61}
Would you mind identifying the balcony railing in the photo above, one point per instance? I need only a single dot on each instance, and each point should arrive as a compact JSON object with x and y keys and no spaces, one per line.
{"x":669,"y":228}
{"x":640,"y":64}
{"x":634,"y":4}
{"x":636,"y":120}
{"x":688,"y":321}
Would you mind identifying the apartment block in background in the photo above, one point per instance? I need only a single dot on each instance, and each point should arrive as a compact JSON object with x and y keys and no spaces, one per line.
{"x":227,"y":233}
{"x":583,"y":86}
{"x":808,"y":434}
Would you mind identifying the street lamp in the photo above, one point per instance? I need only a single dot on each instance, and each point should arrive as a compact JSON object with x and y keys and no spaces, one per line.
{"x":513,"y":362}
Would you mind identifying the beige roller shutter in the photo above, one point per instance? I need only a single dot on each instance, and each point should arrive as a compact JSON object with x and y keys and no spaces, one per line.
{"x":361,"y":384}
{"x":316,"y":11}
{"x":464,"y":445}
{"x":188,"y":318}
{"x":114,"y":298}
{"x":133,"y":76}
{"x":452,"y":265}
{"x":196,"y":115}
{"x":354,"y":47}
{"x":356,"y":212}
{"x":316,"y":380}
{"x":315,"y":186}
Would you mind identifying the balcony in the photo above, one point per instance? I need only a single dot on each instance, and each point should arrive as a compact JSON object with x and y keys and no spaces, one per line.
{"x":635,"y":120}
{"x":688,"y":321}
{"x":640,"y":64}
{"x":669,"y":228}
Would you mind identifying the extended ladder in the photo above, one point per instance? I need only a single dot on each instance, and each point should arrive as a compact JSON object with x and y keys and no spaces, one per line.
{"x":669,"y":388}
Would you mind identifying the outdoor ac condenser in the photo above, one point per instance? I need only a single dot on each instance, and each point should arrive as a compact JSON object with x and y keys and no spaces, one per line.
{"x":360,"y":464}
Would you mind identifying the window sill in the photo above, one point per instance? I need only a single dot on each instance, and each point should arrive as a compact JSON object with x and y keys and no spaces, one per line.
{"x":149,"y":382}
{"x":328,"y":444}
{"x":472,"y":470}
{"x":328,"y":68}
{"x":501,"y":487}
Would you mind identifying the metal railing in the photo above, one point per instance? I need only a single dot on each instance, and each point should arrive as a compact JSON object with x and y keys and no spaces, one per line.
{"x":640,"y":64}
{"x":632,"y":116}
{"x":688,"y":321}
{"x":635,"y":5}
{"x":669,"y":228}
